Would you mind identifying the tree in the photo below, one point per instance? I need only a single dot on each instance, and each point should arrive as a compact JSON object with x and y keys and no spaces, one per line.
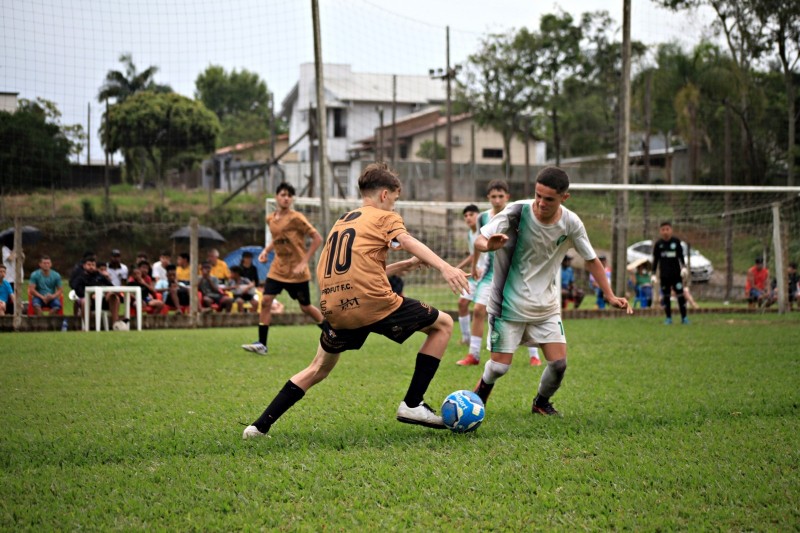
{"x":35,"y":149}
{"x":122,"y":85}
{"x":241,"y":101}
{"x":168,"y":127}
{"x":492,"y":88}
{"x":745,"y":34}
{"x":782,"y":20}
{"x":432,"y":151}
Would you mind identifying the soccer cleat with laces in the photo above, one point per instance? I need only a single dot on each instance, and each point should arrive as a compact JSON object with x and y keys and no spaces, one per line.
{"x":421,"y":415}
{"x":255,"y":347}
{"x":252,"y":432}
{"x":543,"y":407}
{"x":469,"y":360}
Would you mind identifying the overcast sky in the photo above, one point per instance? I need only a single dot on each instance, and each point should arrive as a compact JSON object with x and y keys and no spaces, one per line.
{"x":62,"y":49}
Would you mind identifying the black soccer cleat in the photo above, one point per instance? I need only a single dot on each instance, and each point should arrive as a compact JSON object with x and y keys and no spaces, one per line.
{"x":543,"y":407}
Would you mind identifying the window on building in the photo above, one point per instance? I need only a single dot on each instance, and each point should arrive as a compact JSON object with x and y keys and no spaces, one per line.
{"x":493,"y":153}
{"x":403,"y":150}
{"x":339,"y":122}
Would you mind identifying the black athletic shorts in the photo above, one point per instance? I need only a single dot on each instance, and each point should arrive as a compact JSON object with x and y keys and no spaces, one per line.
{"x":297,"y":291}
{"x":410,"y":317}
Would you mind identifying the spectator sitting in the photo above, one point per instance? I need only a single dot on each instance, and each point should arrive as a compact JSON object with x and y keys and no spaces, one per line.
{"x":211,"y":291}
{"x":10,"y":262}
{"x":242,"y":288}
{"x":219,"y":269}
{"x":183,"y":273}
{"x":249,"y":270}
{"x":568,"y":289}
{"x":755,"y":287}
{"x":91,"y":277}
{"x":6,"y":293}
{"x":45,"y":287}
{"x":643,"y":285}
{"x":794,"y":289}
{"x":159,"y":271}
{"x":601,"y":301}
{"x":174,"y":294}
{"x":140,"y":277}
{"x":117,"y":271}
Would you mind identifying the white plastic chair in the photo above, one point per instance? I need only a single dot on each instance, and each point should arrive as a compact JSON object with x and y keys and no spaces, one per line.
{"x":87,"y":319}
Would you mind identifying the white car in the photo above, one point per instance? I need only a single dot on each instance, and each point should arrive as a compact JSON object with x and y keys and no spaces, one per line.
{"x":699,"y":265}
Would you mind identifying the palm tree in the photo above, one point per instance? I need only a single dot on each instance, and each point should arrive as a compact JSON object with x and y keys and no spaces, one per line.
{"x":121,"y":85}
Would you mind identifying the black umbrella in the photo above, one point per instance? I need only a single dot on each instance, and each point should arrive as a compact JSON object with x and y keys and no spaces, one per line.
{"x":206,"y":236}
{"x":30,"y":235}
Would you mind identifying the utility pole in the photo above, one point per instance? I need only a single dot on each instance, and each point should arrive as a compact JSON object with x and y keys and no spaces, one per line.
{"x":620,"y":236}
{"x":448,"y":74}
{"x":322,"y":130}
{"x":394,"y":121}
{"x":88,"y":134}
{"x":379,"y":147}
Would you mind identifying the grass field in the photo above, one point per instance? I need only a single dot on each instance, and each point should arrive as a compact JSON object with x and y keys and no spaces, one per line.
{"x":679,"y":428}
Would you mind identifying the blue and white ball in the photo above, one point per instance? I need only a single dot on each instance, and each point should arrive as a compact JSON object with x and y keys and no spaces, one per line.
{"x":463,"y":411}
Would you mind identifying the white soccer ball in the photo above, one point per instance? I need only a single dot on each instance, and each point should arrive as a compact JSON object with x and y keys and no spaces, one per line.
{"x":463,"y":411}
{"x":121,"y":325}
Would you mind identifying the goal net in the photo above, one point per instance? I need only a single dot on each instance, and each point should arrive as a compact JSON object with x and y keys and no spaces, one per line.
{"x":724,"y":229}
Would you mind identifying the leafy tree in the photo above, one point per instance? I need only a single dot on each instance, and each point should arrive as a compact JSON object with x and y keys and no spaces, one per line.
{"x":170,"y":128}
{"x":431,"y":151}
{"x":241,"y":101}
{"x":493,"y":87}
{"x":121,"y":85}
{"x":782,"y":21}
{"x":35,"y":148}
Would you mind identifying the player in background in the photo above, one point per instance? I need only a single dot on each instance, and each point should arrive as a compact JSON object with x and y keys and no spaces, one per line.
{"x":668,"y":261}
{"x":483,"y":273}
{"x":530,"y":240}
{"x":471,"y":213}
{"x":289,"y":269}
{"x":356,"y":299}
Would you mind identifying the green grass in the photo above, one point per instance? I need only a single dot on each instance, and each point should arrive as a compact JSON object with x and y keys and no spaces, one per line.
{"x":680,"y":428}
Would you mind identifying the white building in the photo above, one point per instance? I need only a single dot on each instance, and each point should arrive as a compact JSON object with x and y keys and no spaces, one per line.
{"x":354,"y":103}
{"x":8,"y":102}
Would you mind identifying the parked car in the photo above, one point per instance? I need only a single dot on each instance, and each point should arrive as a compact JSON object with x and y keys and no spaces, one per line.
{"x":700,"y":267}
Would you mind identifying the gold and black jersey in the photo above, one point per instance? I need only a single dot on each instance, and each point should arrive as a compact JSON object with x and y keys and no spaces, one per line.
{"x":354,"y":289}
{"x":289,"y":232}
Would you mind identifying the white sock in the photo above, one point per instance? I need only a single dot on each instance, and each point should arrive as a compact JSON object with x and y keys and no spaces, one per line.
{"x":475,"y":346}
{"x":464,"y":324}
{"x":493,"y":370}
{"x":533,"y":352}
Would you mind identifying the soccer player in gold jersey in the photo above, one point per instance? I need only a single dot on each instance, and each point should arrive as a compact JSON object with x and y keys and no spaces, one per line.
{"x":356,"y":300}
{"x":289,"y":270}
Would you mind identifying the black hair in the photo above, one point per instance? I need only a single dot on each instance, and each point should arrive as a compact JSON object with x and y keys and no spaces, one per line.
{"x":555,"y":178}
{"x":283,"y":186}
{"x":501,"y":185}
{"x":236,"y":269}
{"x":471,"y":208}
{"x":247,"y":253}
{"x":184,"y":255}
{"x":171,"y":268}
{"x":665,"y":223}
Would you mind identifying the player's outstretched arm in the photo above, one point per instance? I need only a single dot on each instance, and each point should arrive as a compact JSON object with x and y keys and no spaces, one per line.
{"x":596,"y":269}
{"x":495,"y":242}
{"x":455,"y":278}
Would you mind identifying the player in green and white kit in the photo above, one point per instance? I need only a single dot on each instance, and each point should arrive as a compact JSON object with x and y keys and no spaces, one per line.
{"x":471,"y":213}
{"x":497,"y":193}
{"x":530,"y":239}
